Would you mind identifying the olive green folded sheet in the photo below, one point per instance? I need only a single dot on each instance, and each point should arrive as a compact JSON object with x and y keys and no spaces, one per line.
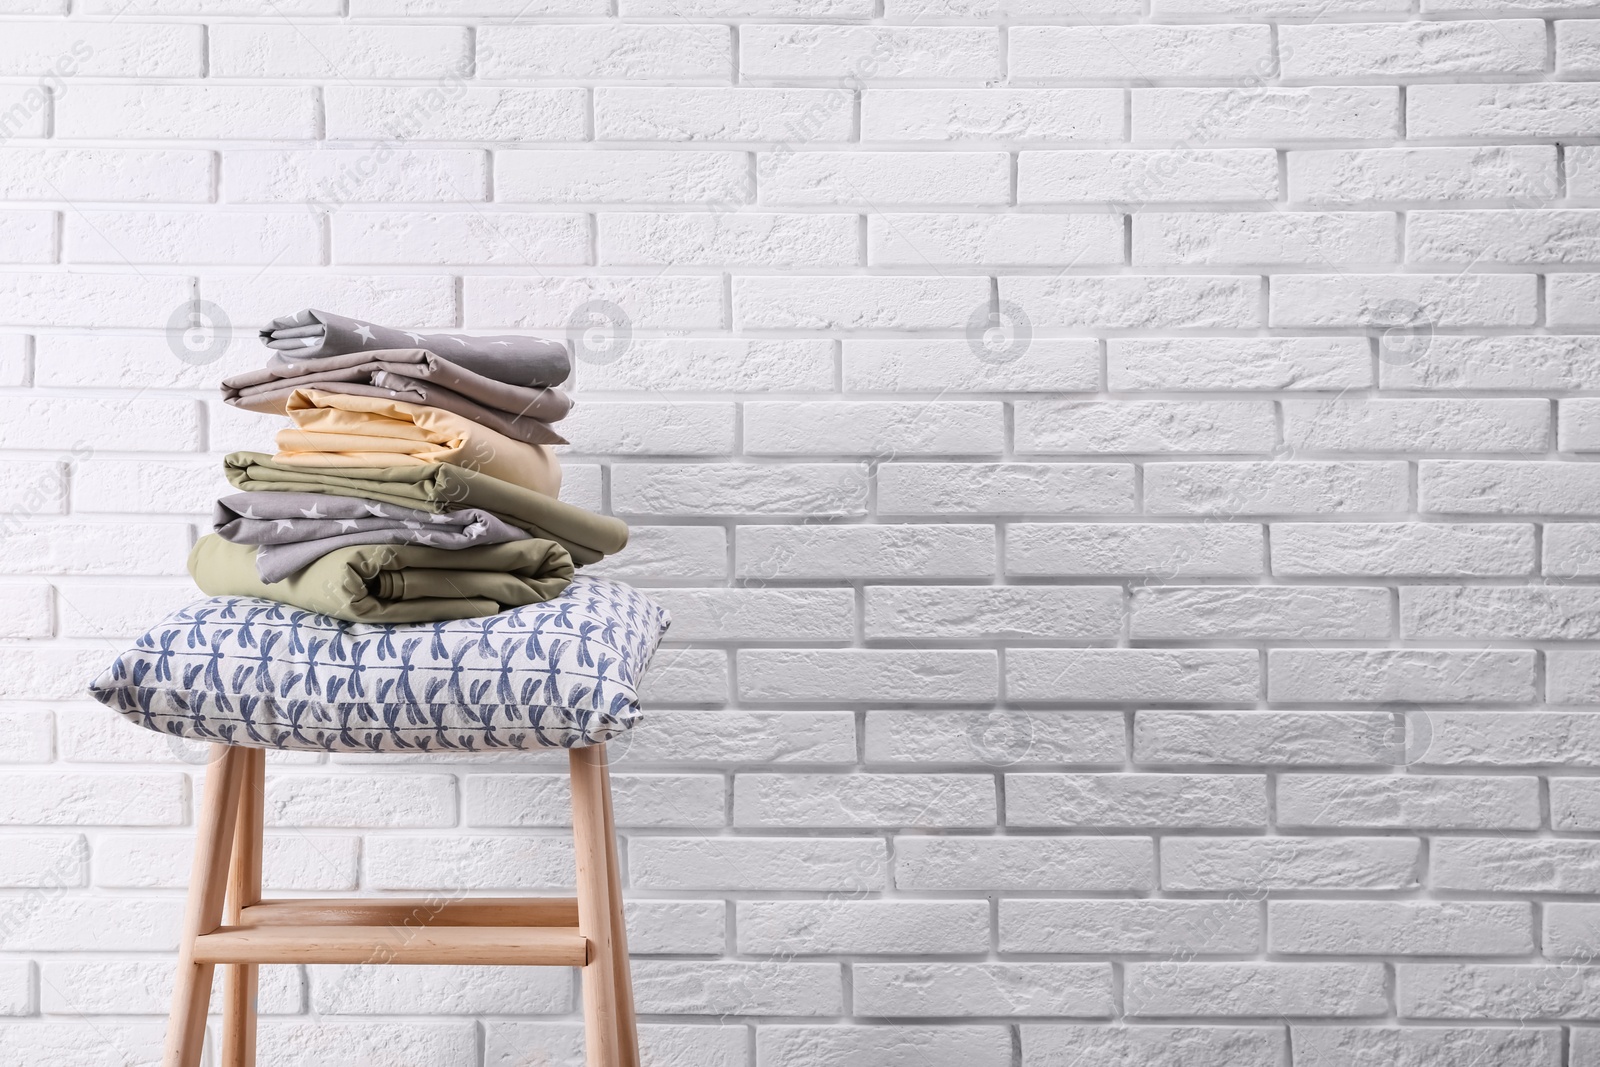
{"x":394,"y":583}
{"x":437,"y":487}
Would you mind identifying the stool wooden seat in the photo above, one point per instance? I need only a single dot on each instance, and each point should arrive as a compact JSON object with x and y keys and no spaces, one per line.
{"x":227,"y":923}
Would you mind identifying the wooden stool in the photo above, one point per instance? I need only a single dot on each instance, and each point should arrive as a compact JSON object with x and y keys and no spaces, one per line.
{"x":228,"y":924}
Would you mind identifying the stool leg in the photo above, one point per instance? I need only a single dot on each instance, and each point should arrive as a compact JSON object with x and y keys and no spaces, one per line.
{"x":241,"y":981}
{"x":208,"y":881}
{"x":592,"y":850}
{"x":627,"y":1025}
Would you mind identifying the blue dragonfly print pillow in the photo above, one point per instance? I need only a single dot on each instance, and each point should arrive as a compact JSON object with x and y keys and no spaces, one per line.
{"x":246,"y":671}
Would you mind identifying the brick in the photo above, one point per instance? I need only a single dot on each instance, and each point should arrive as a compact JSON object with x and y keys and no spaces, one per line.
{"x":1506,"y":487}
{"x":1495,"y":991}
{"x":683,"y":113}
{"x":1465,"y":613}
{"x":992,"y":114}
{"x":759,"y":614}
{"x":1434,"y":300}
{"x":754,"y":863}
{"x":921,"y":990}
{"x":462,"y":113}
{"x":1582,"y":172}
{"x":526,"y":800}
{"x":889,"y":1046}
{"x":1408,"y":50}
{"x":1265,"y":864}
{"x":1327,"y":990}
{"x":684,"y":677}
{"x":764,"y":240}
{"x":335,"y":177}
{"x":1154,"y":550}
{"x":1521,"y":236}
{"x":176,"y":237}
{"x":1577,"y":49}
{"x":786,"y":675}
{"x":1449,"y":175}
{"x":740,"y":489}
{"x":449,"y":237}
{"x":864,"y":927}
{"x":102,"y":50}
{"x":458,"y":861}
{"x":79,"y":360}
{"x":1408,"y":549}
{"x":856,"y":303}
{"x":25,"y":735}
{"x":1130,"y":926}
{"x":986,"y":613}
{"x":1508,"y":865}
{"x":1266,"y":113}
{"x":887,"y":551}
{"x":869,"y":53}
{"x":1131,"y":302}
{"x":1202,"y":363}
{"x":1097,"y":427}
{"x":216,"y":112}
{"x":1128,"y":674}
{"x":1574,"y":805}
{"x":1572,"y":300}
{"x":634,"y":52}
{"x":89,"y":1044}
{"x":1092,"y":863}
{"x":88,"y":548}
{"x":1511,"y":739}
{"x":1271,"y":737}
{"x":1408,"y":802}
{"x":1572,"y":677}
{"x":1580,"y":426}
{"x":1058,"y":1045}
{"x":1571,"y":930}
{"x":1014,"y":488}
{"x":1417,"y":425}
{"x":935,"y":365}
{"x":48,"y":673}
{"x":884,"y":179}
{"x":55,"y":922}
{"x":144,"y":987}
{"x":1245,"y":611}
{"x":551,"y":302}
{"x":718,"y":737}
{"x":987,"y":239}
{"x":736,"y":987}
{"x":103,"y":300}
{"x":358,"y":990}
{"x":507,"y":1044}
{"x":659,"y":927}
{"x":1006,"y":738}
{"x":325,"y":1044}
{"x":624,"y":177}
{"x":1400,"y":928}
{"x":148,"y":799}
{"x":651,"y":429}
{"x":893,"y":428}
{"x":1420,"y":675}
{"x":16,"y":988}
{"x":177,"y":487}
{"x":714,"y":365}
{"x":1341,"y":1046}
{"x":1137,"y":177}
{"x":344,"y":800}
{"x":1275,"y":238}
{"x":689,"y":552}
{"x":30,"y":609}
{"x":49,"y":861}
{"x":113,"y":610}
{"x":1135,"y":800}
{"x":860,"y":801}
{"x":1137,"y":53}
{"x":28,"y":236}
{"x":1534,"y":111}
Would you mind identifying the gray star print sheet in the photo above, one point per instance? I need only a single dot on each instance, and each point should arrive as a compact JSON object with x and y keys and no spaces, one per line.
{"x":505,"y":358}
{"x":413,"y":375}
{"x":294,"y":530}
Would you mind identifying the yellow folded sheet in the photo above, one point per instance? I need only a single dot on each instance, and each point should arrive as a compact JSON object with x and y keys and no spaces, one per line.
{"x":345,"y":430}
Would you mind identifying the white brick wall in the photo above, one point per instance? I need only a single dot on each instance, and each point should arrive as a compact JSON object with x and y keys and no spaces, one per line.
{"x":1121,"y":471}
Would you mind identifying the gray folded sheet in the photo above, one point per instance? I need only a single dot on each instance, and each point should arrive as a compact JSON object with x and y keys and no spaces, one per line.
{"x":295,"y":530}
{"x":412,"y":375}
{"x":505,"y":358}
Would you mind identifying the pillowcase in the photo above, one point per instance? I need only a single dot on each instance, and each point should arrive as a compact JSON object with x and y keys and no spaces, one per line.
{"x":241,"y":670}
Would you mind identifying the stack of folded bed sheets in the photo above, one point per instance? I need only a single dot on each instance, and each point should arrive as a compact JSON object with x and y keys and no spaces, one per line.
{"x":417,"y":483}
